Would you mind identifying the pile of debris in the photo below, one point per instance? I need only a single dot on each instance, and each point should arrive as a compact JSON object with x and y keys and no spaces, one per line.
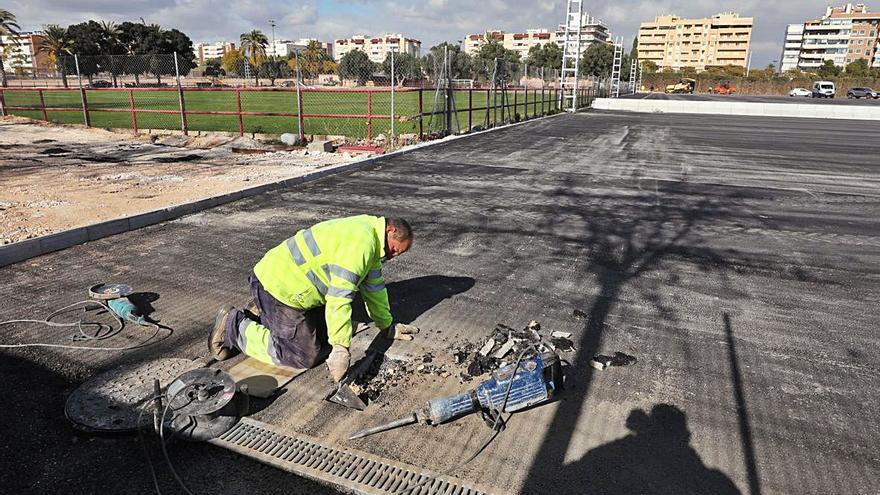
{"x":504,"y":346}
{"x":385,"y":373}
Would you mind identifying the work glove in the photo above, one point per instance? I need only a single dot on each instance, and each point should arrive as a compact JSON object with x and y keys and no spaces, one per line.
{"x":338,"y":362}
{"x":401,"y":331}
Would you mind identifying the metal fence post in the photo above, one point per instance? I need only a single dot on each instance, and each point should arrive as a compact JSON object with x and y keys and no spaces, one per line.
{"x":180,"y":99}
{"x":526,"y":103}
{"x":2,"y":103}
{"x":515,"y":109}
{"x":369,"y":115}
{"x":43,"y":105}
{"x":421,"y":116}
{"x":134,"y":120}
{"x":392,"y":98}
{"x":300,"y":121}
{"x":238,"y":110}
{"x":470,"y":108}
{"x":82,"y":93}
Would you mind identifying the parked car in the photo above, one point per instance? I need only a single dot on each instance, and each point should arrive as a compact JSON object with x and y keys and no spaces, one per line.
{"x":824,"y":89}
{"x":99,"y":84}
{"x":862,"y":93}
{"x":800,"y":92}
{"x":288,"y":84}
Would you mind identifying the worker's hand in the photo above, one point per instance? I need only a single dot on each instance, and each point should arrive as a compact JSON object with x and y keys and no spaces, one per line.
{"x":338,"y":362}
{"x":401,"y":331}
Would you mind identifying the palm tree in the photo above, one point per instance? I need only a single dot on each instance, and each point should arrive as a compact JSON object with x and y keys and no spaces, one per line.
{"x":56,"y":44}
{"x":253,"y":45}
{"x":8,"y":27}
{"x":111,"y":33}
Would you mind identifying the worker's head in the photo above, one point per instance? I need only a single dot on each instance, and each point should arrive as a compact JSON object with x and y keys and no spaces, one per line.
{"x":398,"y":237}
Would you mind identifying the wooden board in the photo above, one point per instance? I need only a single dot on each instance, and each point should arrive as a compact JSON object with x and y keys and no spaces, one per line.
{"x":262,"y":379}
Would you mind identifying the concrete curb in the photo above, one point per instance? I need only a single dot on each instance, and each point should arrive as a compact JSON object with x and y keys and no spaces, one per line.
{"x":797,"y":110}
{"x":31,"y":248}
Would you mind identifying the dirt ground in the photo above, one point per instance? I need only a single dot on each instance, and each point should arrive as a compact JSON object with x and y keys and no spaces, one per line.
{"x":57,"y":177}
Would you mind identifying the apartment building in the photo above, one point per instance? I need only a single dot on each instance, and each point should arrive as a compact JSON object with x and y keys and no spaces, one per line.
{"x":23,"y":52}
{"x":843,"y":35}
{"x":592,"y":31}
{"x":791,"y":47}
{"x":675,"y":43}
{"x":206,"y":51}
{"x":377,"y":48}
{"x":285,"y":48}
{"x":521,"y":43}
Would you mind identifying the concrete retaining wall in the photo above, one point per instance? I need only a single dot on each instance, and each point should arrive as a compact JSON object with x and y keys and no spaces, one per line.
{"x":802,"y":110}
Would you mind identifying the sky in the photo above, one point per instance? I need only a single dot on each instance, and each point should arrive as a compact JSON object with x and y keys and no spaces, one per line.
{"x":431,"y":21}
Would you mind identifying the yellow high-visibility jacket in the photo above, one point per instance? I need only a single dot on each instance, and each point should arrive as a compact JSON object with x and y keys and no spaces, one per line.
{"x":325,"y":265}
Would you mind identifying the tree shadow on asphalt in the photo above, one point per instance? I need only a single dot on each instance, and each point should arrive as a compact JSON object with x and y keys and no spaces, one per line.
{"x":656,"y":457}
{"x":624,"y":237}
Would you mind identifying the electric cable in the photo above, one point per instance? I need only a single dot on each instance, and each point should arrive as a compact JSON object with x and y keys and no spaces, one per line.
{"x":498,"y":426}
{"x":111,"y":332}
{"x":143,"y":441}
{"x":162,"y":439}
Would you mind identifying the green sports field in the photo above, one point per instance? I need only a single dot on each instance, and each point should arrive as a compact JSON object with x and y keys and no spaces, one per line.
{"x":345,"y":103}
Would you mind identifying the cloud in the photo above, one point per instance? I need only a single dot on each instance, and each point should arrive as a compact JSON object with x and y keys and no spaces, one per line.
{"x":432,"y":21}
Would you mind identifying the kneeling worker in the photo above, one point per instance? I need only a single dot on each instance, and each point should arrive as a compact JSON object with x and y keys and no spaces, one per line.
{"x":304,"y":287}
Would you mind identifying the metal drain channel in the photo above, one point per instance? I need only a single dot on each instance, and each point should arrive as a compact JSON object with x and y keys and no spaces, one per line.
{"x":363,"y":473}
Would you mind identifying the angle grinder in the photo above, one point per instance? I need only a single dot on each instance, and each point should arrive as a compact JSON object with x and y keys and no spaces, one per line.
{"x":115,"y":296}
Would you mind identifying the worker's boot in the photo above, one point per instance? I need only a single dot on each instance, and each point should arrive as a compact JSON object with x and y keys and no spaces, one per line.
{"x":252,"y":308}
{"x":216,"y":339}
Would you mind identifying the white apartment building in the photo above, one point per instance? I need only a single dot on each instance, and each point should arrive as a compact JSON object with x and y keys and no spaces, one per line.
{"x":592,"y":31}
{"x":791,"y":47}
{"x":285,"y":48}
{"x":521,"y":43}
{"x":23,"y":51}
{"x":205,"y":51}
{"x":377,"y":48}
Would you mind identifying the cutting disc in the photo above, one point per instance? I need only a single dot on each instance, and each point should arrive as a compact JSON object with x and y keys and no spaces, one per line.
{"x":109,"y":291}
{"x":200,"y":391}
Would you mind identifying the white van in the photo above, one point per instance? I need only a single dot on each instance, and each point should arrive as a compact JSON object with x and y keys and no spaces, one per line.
{"x":823,"y":89}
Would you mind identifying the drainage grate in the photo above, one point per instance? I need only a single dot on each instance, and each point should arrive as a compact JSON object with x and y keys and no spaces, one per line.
{"x":363,"y":473}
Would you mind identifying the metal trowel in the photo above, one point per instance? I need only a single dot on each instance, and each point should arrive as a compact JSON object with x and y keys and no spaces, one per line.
{"x":343,"y":394}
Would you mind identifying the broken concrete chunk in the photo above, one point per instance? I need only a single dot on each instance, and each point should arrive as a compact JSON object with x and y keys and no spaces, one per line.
{"x":504,"y":349}
{"x":534,"y":325}
{"x":484,"y":351}
{"x":563,"y":335}
{"x":323,"y":146}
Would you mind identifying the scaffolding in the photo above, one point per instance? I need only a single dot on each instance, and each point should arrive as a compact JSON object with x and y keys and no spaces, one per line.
{"x":571,"y":54}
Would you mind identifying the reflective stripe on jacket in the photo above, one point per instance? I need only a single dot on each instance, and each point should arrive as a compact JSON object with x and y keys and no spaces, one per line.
{"x":325,"y":265}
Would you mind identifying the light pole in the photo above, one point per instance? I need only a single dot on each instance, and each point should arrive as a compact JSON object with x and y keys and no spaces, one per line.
{"x":272,"y":23}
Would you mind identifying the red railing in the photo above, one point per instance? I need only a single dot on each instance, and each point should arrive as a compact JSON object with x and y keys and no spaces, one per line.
{"x":543,"y":105}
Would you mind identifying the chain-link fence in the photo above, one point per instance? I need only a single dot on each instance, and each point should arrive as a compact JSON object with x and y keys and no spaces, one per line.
{"x":396,"y":101}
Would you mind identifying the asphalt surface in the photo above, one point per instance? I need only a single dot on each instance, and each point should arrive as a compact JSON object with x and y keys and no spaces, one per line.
{"x":839,"y":100}
{"x":737,"y":258}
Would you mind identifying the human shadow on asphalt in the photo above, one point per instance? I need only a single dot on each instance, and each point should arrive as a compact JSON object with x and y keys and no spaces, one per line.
{"x":413,"y":297}
{"x":621,"y":238}
{"x":656,"y":457}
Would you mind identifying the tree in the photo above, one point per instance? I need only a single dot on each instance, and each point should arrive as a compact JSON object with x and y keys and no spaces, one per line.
{"x":649,"y":67}
{"x":8,"y":27}
{"x":233,"y":62}
{"x":598,"y":60}
{"x":494,"y":59}
{"x":313,"y":60}
{"x":175,"y":41}
{"x":253,"y":47}
{"x":406,"y":67}
{"x":462,"y":64}
{"x":356,"y":65}
{"x":546,"y":56}
{"x":828,"y":70}
{"x":214,"y":68}
{"x":56,"y":46}
{"x":859,"y":68}
{"x":273,"y":69}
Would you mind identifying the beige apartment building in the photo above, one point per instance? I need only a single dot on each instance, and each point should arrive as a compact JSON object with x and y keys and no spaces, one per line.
{"x":206,"y":51}
{"x":521,"y":43}
{"x":675,"y":43}
{"x":377,"y":48}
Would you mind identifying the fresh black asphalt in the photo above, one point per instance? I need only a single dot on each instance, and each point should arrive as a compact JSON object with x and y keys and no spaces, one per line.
{"x":736,"y":257}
